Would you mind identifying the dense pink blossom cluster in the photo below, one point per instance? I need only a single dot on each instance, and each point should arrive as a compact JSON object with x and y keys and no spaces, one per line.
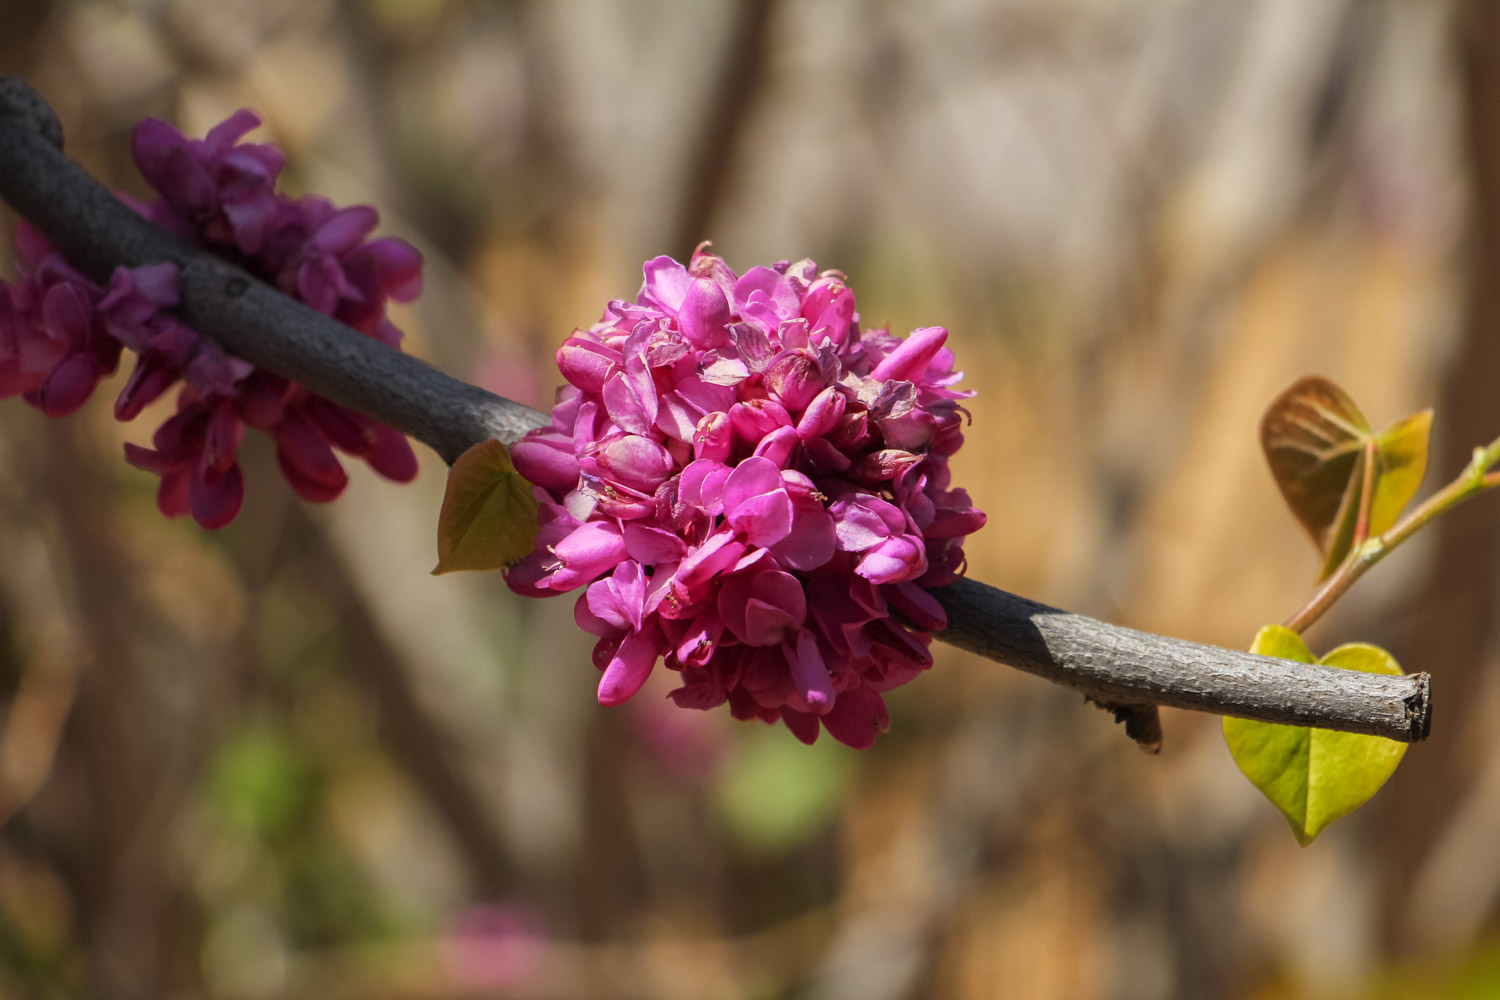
{"x":60,"y":333}
{"x":752,"y":488}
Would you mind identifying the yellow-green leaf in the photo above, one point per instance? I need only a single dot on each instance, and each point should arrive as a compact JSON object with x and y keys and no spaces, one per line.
{"x":1403,"y":462}
{"x":1314,"y":776}
{"x":1315,"y":439}
{"x":488,"y":520}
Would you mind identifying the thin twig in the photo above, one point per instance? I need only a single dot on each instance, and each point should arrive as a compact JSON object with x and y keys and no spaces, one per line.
{"x":1365,"y":553}
{"x":1112,"y":665}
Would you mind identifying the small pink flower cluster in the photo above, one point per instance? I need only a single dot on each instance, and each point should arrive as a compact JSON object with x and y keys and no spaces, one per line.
{"x":753,"y":488}
{"x":60,"y":334}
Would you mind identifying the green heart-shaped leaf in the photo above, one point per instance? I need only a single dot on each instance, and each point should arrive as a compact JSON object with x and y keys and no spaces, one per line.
{"x":1314,"y":776}
{"x":488,"y":520}
{"x":1315,"y":439}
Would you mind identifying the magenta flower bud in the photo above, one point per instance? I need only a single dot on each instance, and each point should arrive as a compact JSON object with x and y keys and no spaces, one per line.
{"x":547,"y":459}
{"x":587,"y":364}
{"x":711,"y":266}
{"x":712,"y":437}
{"x":850,"y":433}
{"x":911,"y":358}
{"x":779,"y":445}
{"x":882,"y":466}
{"x":756,"y":418}
{"x":955,"y":523}
{"x":636,"y":461}
{"x":704,"y":315}
{"x":825,"y":410}
{"x":794,"y":379}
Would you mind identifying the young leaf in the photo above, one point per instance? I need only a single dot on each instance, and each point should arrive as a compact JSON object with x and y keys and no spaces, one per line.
{"x":1313,"y":436}
{"x":1403,"y":462}
{"x":488,"y":520}
{"x":1315,"y":440}
{"x":1313,"y":776}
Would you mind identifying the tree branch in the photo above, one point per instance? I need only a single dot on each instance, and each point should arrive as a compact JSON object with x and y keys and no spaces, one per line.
{"x":1120,"y":668}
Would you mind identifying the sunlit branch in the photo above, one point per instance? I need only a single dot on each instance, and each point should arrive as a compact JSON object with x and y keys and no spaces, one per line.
{"x":1118,"y":667}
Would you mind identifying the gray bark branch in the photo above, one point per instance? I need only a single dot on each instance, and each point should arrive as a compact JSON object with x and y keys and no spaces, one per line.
{"x":1127,"y":671}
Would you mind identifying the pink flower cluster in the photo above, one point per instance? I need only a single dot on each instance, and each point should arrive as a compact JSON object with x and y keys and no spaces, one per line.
{"x":752,"y":488}
{"x":60,"y":334}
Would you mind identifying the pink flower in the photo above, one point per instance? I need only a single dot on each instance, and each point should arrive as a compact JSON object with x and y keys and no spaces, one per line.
{"x":60,"y":333}
{"x":753,"y":491}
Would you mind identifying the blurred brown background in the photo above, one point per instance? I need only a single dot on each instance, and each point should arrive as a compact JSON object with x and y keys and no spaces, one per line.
{"x":283,"y":761}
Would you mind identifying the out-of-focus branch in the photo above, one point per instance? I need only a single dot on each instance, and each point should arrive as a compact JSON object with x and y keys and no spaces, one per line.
{"x":97,"y":233}
{"x":1125,"y":670}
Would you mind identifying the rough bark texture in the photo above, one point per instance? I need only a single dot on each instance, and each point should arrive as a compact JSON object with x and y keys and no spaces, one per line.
{"x":1118,"y":666}
{"x":1122,"y":669}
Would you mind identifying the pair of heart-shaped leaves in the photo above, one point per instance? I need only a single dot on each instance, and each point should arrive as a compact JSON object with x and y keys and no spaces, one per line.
{"x":1314,"y":776}
{"x":1316,"y":441}
{"x":489,"y":516}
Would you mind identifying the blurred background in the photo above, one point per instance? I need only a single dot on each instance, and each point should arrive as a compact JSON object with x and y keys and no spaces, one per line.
{"x":281,"y":760}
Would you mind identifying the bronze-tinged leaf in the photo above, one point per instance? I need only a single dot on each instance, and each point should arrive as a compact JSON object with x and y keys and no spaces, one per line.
{"x":1313,"y":436}
{"x":489,"y":517}
{"x":1316,"y":441}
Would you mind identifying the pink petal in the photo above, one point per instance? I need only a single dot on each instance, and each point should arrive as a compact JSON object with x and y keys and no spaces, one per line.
{"x":812,"y":540}
{"x":308,"y":462}
{"x":752,"y":477}
{"x":857,"y":718}
{"x":918,"y":605}
{"x":629,"y":668}
{"x":804,"y":725}
{"x":666,"y":284}
{"x":809,"y":673}
{"x":68,"y":387}
{"x":765,"y":520}
{"x":215,"y":497}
